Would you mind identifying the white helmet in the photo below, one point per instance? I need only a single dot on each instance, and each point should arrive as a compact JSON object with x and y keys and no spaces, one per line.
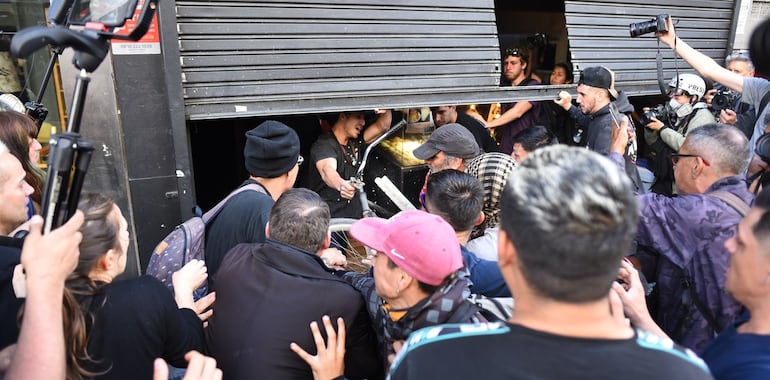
{"x":693,"y":84}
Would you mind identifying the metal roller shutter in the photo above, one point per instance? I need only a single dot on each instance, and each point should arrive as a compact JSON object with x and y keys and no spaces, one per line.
{"x":598,"y":35}
{"x":244,"y":58}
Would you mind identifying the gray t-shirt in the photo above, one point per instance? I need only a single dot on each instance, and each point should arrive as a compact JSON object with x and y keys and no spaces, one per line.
{"x":753,"y":91}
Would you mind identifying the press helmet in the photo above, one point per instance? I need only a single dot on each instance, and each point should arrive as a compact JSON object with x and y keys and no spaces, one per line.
{"x":693,"y":84}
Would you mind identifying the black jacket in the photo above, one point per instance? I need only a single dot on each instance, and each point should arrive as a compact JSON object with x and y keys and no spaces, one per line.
{"x":267,"y":295}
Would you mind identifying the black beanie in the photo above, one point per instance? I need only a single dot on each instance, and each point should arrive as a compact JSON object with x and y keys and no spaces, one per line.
{"x":272,"y":149}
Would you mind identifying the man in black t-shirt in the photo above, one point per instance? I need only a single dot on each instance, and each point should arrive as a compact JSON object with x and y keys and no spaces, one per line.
{"x":559,"y":252}
{"x":443,"y":115}
{"x":272,"y":159}
{"x":336,"y":156}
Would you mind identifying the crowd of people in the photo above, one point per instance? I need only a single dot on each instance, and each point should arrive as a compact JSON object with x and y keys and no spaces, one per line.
{"x":599,"y":277}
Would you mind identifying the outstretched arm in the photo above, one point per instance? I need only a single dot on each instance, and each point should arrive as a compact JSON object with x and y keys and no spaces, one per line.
{"x":47,"y":260}
{"x":706,"y":66}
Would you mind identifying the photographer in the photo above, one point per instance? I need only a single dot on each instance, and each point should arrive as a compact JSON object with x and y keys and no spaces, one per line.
{"x":683,"y":112}
{"x":726,"y":104}
{"x":753,"y":89}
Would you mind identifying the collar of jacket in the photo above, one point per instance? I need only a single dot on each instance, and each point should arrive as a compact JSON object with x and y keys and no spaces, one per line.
{"x":289,"y":259}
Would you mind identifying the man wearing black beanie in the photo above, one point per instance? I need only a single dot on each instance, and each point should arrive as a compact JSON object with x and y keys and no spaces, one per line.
{"x":272,"y":159}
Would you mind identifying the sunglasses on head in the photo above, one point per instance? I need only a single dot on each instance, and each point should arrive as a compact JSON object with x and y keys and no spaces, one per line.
{"x":512,"y":52}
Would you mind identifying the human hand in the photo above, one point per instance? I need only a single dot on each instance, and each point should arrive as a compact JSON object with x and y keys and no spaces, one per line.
{"x":199,"y":367}
{"x":329,"y":362}
{"x":756,"y":164}
{"x":189,"y":277}
{"x":727,"y":116}
{"x":333,"y":258}
{"x":203,"y":307}
{"x":397,"y":344}
{"x":619,"y":136}
{"x":51,"y":257}
{"x":709,"y":96}
{"x":347,"y":190}
{"x":564,"y":100}
{"x":655,"y":124}
{"x":668,"y":37}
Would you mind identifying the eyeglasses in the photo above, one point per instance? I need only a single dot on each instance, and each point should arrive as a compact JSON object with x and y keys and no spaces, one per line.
{"x":300,"y":160}
{"x":677,"y":92}
{"x":675,"y":157}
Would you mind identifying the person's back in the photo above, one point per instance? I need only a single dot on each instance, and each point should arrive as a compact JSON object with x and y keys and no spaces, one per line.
{"x":268,"y":293}
{"x":512,"y":351}
{"x":135,"y":321}
{"x":271,"y":156}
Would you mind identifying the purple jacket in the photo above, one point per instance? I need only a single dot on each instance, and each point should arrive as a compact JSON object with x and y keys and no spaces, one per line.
{"x":686,"y":234}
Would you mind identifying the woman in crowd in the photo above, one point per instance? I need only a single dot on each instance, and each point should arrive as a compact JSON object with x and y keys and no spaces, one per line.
{"x":19,"y":133}
{"x":116,"y":329}
{"x":556,"y":118}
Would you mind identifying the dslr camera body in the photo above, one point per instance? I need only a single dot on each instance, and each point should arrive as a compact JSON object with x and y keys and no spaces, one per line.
{"x":656,"y":25}
{"x":723,"y":99}
{"x":661,"y":112}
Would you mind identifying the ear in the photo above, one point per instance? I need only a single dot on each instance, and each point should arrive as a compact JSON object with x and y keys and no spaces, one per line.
{"x":267,"y":229}
{"x":506,"y":252}
{"x":406,"y":280}
{"x":480,"y":219}
{"x":328,"y":241}
{"x":106,"y":261}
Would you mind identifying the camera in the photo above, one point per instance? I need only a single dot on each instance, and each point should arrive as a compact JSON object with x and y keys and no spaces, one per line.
{"x":658,"y":24}
{"x":723,"y":99}
{"x":660,"y":112}
{"x":762,"y":148}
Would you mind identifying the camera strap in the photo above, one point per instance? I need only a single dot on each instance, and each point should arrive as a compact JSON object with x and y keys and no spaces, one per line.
{"x":763,"y":104}
{"x":659,"y":63}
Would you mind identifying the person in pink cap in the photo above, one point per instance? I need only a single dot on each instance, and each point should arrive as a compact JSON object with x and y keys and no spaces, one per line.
{"x":418,"y":278}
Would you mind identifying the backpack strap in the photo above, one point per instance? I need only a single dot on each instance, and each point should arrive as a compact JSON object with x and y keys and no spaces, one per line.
{"x":732,"y":200}
{"x":216,"y":209}
{"x":742,"y":208}
{"x":704,"y":311}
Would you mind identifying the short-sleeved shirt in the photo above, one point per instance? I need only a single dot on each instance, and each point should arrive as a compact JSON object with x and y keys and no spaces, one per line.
{"x":348,"y":160}
{"x":754,"y":89}
{"x":512,"y":351}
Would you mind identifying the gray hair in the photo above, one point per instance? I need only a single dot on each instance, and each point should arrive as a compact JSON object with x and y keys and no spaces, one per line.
{"x":740,"y":57}
{"x":300,"y":218}
{"x":723,"y":146}
{"x":571,"y":216}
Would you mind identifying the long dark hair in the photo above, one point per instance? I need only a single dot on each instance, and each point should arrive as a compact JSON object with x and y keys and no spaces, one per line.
{"x":15,"y":131}
{"x":100,"y":234}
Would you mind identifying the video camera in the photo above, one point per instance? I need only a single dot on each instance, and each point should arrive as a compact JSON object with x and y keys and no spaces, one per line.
{"x":657,"y":24}
{"x":661,"y":112}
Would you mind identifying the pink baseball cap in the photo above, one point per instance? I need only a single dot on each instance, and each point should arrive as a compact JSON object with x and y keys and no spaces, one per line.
{"x":422,"y":244}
